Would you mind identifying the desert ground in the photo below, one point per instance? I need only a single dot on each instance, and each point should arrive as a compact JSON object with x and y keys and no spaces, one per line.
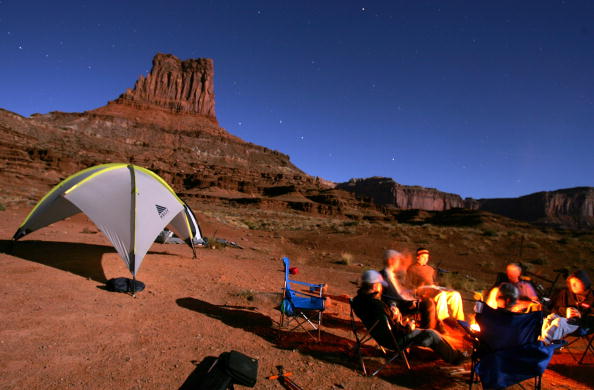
{"x":59,"y":327}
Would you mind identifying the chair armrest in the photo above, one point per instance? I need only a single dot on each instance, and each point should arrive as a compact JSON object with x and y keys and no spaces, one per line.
{"x":306,"y":294}
{"x":307,"y":284}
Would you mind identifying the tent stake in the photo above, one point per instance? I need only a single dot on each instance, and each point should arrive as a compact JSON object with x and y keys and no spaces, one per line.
{"x":133,"y":286}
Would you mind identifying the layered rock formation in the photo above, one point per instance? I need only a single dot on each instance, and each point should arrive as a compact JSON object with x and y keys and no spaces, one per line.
{"x":386,"y":192}
{"x":571,"y":207}
{"x":167,"y":124}
{"x":178,"y":86}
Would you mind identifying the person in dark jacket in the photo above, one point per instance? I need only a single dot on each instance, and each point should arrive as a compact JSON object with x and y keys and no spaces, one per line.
{"x":572,"y":308}
{"x":370,"y":308}
{"x":398,"y":296}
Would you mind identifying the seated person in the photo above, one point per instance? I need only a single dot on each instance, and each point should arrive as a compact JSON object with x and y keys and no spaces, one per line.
{"x":397,"y":295}
{"x":506,"y":299}
{"x":368,"y":306}
{"x":528,"y":299}
{"x":422,"y":277}
{"x":572,"y":309}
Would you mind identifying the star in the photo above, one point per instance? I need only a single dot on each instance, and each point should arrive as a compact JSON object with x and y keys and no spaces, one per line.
{"x":363,"y":9}
{"x":240,"y":123}
{"x":20,"y":48}
{"x":281,"y":121}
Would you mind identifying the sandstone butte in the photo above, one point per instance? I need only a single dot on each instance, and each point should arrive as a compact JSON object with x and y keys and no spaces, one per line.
{"x":167,"y":123}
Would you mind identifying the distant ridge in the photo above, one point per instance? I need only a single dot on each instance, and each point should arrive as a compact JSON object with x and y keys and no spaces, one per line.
{"x":571,"y":207}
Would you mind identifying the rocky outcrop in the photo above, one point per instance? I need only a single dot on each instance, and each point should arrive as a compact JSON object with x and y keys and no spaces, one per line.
{"x":166,"y":124}
{"x":571,"y":207}
{"x":386,"y":192}
{"x":175,"y":85}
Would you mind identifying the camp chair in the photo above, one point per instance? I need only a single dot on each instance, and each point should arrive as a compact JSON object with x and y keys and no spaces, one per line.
{"x":381,"y":333}
{"x":506,"y":350}
{"x":301,"y":307}
{"x":581,"y":334}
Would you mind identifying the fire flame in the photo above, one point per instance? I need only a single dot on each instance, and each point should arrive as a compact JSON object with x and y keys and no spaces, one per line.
{"x":475,"y":327}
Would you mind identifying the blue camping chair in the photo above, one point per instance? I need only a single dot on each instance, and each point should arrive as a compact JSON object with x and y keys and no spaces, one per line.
{"x":301,"y":307}
{"x":507,"y":351}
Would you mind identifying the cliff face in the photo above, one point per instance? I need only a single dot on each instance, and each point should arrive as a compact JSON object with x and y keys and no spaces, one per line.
{"x":571,"y":207}
{"x":166,"y":124}
{"x":175,"y":85}
{"x":385,"y":191}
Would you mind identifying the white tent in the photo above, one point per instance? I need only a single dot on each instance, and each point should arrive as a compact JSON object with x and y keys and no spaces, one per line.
{"x":129,"y":204}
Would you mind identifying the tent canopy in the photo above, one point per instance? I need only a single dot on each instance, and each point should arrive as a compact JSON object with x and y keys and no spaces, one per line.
{"x":129,"y":204}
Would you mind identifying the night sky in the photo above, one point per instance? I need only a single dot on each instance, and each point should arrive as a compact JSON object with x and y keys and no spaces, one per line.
{"x":479,"y":98}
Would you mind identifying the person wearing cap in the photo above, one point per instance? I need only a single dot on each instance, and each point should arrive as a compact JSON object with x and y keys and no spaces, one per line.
{"x":421,"y":276}
{"x":370,"y":308}
{"x":528,"y":298}
{"x":572,"y":308}
{"x":397,"y":295}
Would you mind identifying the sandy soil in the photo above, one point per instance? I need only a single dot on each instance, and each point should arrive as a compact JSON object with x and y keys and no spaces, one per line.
{"x":60,"y":329}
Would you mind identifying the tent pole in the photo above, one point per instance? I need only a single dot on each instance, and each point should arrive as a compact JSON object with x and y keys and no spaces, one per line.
{"x":193,"y":249}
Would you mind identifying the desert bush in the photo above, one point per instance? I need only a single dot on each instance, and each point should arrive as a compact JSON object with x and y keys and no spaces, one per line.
{"x":2,"y":207}
{"x":86,"y":230}
{"x":246,"y":294}
{"x":563,"y":241}
{"x":489,"y":233}
{"x":538,"y":261}
{"x":532,"y":245}
{"x":211,"y":243}
{"x":345,"y":258}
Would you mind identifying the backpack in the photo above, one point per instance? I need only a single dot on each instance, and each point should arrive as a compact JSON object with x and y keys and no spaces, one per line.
{"x":230,"y":368}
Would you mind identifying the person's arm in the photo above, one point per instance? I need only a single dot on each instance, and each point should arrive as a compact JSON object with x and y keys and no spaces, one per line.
{"x":560,"y":303}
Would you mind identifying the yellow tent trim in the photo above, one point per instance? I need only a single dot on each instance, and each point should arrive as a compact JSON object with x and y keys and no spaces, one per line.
{"x":60,"y":185}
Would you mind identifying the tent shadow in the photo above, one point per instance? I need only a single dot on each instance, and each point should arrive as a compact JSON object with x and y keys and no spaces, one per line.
{"x":331,"y":348}
{"x":80,"y":259}
{"x":74,"y":257}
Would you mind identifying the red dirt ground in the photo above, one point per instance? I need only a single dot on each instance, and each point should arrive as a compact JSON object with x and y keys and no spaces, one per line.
{"x":60,"y":329}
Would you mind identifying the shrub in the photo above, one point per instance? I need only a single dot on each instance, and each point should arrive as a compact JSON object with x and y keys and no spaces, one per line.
{"x":345,"y":258}
{"x":489,"y":233}
{"x":247,"y":294}
{"x":538,"y":261}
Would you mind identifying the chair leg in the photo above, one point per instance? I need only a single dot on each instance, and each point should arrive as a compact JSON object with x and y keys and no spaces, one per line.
{"x":589,"y":348}
{"x":471,"y":380}
{"x":361,"y":361}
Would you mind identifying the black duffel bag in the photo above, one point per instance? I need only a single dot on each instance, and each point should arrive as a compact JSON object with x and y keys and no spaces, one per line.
{"x":241,"y":368}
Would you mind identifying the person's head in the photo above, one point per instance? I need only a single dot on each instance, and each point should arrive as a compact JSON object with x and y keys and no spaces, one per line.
{"x":392,"y":259}
{"x":508,"y":295}
{"x":513,"y":271}
{"x":372,"y":282}
{"x":422,"y":256}
{"x":579,"y":283}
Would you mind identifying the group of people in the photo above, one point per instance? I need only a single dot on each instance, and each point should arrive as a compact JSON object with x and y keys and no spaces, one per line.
{"x":396,"y":292}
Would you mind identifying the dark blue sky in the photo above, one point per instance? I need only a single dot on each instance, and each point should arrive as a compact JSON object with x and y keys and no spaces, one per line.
{"x":480,"y":98}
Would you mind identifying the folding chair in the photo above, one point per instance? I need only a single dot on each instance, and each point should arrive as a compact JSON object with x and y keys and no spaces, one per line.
{"x":300,"y":306}
{"x":581,"y":334}
{"x":387,"y":343}
{"x":506,"y":350}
